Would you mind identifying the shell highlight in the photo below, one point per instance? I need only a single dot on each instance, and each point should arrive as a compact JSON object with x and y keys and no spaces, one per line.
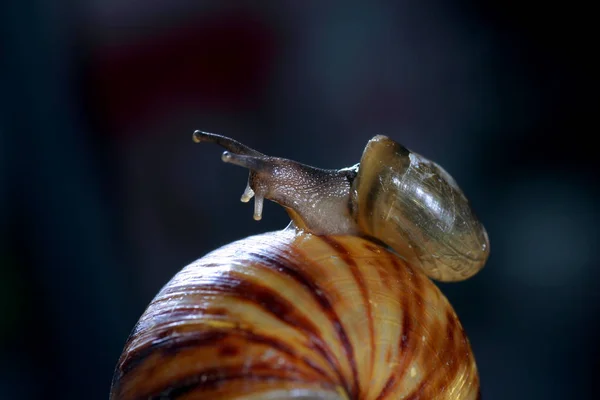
{"x":288,"y":315}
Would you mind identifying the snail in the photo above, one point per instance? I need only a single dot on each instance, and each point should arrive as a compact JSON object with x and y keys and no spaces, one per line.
{"x":338,"y":305}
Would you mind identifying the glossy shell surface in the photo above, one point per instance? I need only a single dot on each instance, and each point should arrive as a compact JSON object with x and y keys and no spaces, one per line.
{"x":414,"y":206}
{"x":294,"y":315}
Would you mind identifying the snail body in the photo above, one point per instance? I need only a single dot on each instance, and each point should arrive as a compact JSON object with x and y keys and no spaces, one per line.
{"x":338,"y":305}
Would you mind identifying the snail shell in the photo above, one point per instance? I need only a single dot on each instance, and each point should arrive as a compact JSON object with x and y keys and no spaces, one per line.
{"x":415,"y":207}
{"x":294,"y":315}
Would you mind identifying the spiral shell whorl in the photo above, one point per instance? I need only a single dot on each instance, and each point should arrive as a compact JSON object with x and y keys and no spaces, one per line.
{"x":294,"y":315}
{"x":414,"y":206}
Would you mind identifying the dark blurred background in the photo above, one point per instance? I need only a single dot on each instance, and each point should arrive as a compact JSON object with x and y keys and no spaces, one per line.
{"x":104,"y":196}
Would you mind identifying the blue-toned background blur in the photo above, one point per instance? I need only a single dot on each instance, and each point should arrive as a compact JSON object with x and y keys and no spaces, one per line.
{"x":104,"y":196}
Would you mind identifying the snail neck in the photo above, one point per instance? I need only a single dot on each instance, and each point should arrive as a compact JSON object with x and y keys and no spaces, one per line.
{"x":318,"y":201}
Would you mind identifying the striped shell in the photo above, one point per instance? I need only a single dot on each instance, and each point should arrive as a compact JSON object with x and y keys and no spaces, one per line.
{"x":289,"y":315}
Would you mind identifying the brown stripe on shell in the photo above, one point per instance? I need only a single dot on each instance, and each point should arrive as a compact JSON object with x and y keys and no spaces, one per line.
{"x":229,"y":350}
{"x":210,"y":379}
{"x":294,"y":253}
{"x":451,"y":352}
{"x":388,"y":387}
{"x":410,"y":332}
{"x":261,"y":296}
{"x":441,"y":374}
{"x":273,"y":303}
{"x":440,"y":377}
{"x":346,"y":256}
{"x":170,"y":347}
{"x":385,"y":275}
{"x":291,"y":269}
{"x":406,"y":338}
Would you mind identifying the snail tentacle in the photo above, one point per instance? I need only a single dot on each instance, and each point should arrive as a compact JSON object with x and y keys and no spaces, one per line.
{"x":226,"y":142}
{"x":247,"y":195}
{"x":256,"y":165}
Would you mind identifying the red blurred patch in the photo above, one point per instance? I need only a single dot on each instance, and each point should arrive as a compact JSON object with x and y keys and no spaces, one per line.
{"x":221,"y":61}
